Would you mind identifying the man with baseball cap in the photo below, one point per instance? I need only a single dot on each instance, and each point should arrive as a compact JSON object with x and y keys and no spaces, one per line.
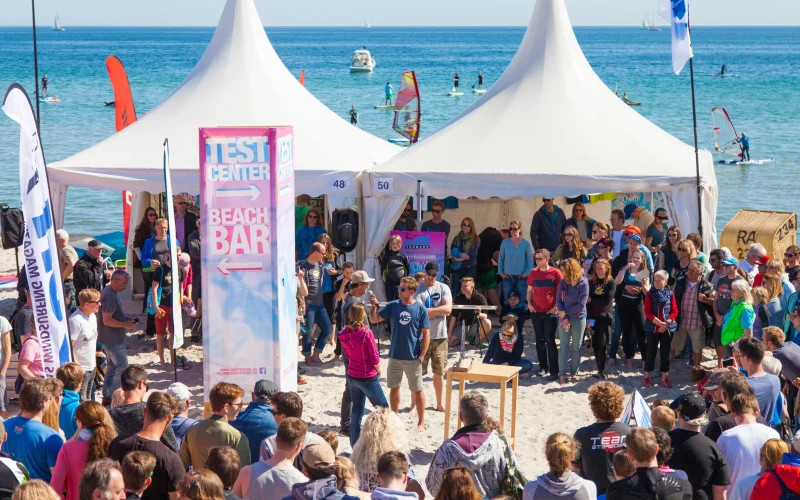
{"x":438,"y":300}
{"x":698,"y":456}
{"x":318,"y":463}
{"x":257,"y":421}
{"x":723,"y":302}
{"x":181,"y":421}
{"x":359,"y":284}
{"x":657,"y":231}
{"x":642,"y":218}
{"x":718,"y":407}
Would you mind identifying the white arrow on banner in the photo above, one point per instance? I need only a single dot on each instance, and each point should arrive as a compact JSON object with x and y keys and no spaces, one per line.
{"x":224,"y":266}
{"x":252,"y":191}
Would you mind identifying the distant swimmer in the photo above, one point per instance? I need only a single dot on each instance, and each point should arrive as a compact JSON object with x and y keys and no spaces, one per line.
{"x":722,"y":70}
{"x":388,"y":90}
{"x":455,"y":81}
{"x":353,"y":115}
{"x":480,"y":80}
{"x":745,"y":142}
{"x":45,"y":83}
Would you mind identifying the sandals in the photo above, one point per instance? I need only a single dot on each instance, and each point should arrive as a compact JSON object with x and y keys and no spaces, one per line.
{"x":665,"y":383}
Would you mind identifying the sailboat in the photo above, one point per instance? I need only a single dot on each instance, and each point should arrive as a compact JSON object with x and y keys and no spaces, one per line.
{"x":57,"y":24}
{"x":653,"y":26}
{"x":367,"y":26}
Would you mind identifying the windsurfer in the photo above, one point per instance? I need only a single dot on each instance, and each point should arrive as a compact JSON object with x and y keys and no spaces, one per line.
{"x":45,"y":82}
{"x":745,"y":142}
{"x":455,"y":81}
{"x":480,"y":80}
{"x":388,"y":90}
{"x":353,"y":115}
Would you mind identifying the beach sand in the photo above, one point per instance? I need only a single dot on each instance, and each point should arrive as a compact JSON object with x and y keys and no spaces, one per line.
{"x":542,"y":408}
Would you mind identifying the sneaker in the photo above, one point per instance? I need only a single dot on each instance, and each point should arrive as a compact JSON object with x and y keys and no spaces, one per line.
{"x":301,"y":381}
{"x":541,"y":373}
{"x":599,"y":375}
{"x":647,"y":382}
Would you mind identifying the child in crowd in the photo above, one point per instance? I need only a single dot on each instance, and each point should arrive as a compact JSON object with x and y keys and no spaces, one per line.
{"x":137,"y":473}
{"x":659,"y":402}
{"x":419,"y":276}
{"x":700,"y":378}
{"x":662,"y":418}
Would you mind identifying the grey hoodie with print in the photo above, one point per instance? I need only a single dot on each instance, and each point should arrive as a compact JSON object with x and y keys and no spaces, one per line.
{"x":568,"y":486}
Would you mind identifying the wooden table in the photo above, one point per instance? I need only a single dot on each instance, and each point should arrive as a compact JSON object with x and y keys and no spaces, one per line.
{"x":479,"y":372}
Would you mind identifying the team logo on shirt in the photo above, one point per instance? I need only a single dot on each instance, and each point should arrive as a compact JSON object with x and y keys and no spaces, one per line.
{"x":405,"y":318}
{"x":436,"y":296}
{"x":610,"y":441}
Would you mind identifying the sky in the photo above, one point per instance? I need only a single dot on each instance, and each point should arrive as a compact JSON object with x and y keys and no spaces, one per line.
{"x":381,"y":13}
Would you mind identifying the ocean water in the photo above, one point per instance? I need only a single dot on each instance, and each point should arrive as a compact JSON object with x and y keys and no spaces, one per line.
{"x":763,"y":98}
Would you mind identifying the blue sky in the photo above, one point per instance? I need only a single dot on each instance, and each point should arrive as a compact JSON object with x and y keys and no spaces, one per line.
{"x":382,"y":13}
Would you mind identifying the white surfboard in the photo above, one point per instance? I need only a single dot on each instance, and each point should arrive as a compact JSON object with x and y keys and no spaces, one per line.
{"x":479,"y":91}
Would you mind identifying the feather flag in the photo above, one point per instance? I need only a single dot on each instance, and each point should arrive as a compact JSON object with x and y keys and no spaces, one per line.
{"x":677,"y":13}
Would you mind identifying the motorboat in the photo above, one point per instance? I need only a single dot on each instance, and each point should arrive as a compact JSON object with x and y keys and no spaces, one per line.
{"x":362,"y":62}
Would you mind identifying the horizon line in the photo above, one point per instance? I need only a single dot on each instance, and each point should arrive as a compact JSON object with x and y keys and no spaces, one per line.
{"x":355,"y":26}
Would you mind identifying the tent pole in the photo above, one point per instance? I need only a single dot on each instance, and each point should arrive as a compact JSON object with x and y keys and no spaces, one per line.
{"x":419,"y":205}
{"x":35,"y":66}
{"x":696,"y":151}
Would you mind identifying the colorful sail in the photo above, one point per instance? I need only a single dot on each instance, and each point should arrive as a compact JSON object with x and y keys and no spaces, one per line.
{"x":303,"y":77}
{"x":407,"y":109}
{"x":725,"y":136}
{"x":126,"y":114}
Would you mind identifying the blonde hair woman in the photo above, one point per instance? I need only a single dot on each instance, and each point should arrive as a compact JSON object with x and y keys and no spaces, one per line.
{"x":346,"y":478}
{"x":383,"y":431}
{"x":634,"y":283}
{"x":581,"y":221}
{"x":571,"y":296}
{"x":760,"y":299}
{"x":464,"y":252}
{"x":571,"y":246}
{"x":560,"y":481}
{"x":686,"y":254}
{"x":775,"y":302}
{"x":771,"y":455}
{"x":739,"y":319}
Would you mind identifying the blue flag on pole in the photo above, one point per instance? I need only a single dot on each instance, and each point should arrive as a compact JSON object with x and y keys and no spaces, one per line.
{"x":677,"y":13}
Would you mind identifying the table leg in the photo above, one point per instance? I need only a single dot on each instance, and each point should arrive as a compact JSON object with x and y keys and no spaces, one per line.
{"x":449,"y":396}
{"x":514,"y":386}
{"x":460,"y":395}
{"x":503,"y":404}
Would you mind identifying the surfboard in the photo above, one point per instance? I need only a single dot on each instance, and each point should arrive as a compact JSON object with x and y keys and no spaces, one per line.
{"x":479,"y":91}
{"x":746,"y":163}
{"x":384,"y":106}
{"x":453,"y":93}
{"x":633,"y":103}
{"x":49,"y":99}
{"x":400,"y":141}
{"x":725,"y":75}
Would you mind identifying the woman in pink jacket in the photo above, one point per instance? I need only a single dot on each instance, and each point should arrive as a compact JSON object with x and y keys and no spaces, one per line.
{"x":363,"y":369}
{"x":95,"y":432}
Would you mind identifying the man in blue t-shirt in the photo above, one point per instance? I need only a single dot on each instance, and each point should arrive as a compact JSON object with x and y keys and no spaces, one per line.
{"x":410,"y":339}
{"x":29,"y":441}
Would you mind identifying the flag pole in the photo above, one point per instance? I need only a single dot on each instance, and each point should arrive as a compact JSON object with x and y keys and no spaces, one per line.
{"x":35,"y":66}
{"x":696,"y":150}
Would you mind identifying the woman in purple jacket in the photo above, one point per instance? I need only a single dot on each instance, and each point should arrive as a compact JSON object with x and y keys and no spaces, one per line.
{"x":363,"y":369}
{"x":571,"y":297}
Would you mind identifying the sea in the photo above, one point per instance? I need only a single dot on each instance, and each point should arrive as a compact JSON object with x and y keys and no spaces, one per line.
{"x":763,"y":96}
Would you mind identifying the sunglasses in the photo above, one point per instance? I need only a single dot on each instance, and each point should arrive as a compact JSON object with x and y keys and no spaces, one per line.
{"x":682,"y":250}
{"x":672,"y":235}
{"x":569,"y":235}
{"x":313,"y":217}
{"x":466,"y":225}
{"x":181,"y":203}
{"x":547,"y":199}
{"x":513,"y":229}
{"x":541,"y":258}
{"x":152,"y":215}
{"x":92,"y":301}
{"x":436,"y":211}
{"x":432,"y":275}
{"x":790,"y":255}
{"x":401,"y":289}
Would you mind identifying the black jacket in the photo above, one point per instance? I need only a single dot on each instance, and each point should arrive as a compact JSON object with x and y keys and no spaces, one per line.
{"x":88,"y":274}
{"x":546,"y":230}
{"x":706,"y":311}
{"x":648,"y":483}
{"x":189,"y":226}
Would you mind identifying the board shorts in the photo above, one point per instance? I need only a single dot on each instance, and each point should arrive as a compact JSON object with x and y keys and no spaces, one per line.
{"x":437,"y":355}
{"x":388,"y":97}
{"x":412,"y":369}
{"x":679,"y":339}
{"x":487,"y":280}
{"x":163,"y":321}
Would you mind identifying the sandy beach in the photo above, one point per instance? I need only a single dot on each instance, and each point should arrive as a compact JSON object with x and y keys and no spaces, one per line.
{"x":543,"y":407}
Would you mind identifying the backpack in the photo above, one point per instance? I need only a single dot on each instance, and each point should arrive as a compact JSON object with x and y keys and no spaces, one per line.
{"x":513,"y":482}
{"x":344,"y":229}
{"x":13,"y":222}
{"x":786,"y":493}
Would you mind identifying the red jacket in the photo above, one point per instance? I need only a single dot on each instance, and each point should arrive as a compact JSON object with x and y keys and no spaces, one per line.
{"x":648,"y":309}
{"x":767,"y":487}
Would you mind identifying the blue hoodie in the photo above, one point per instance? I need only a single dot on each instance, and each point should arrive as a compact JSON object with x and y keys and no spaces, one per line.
{"x":66,"y":416}
{"x":257,"y":422}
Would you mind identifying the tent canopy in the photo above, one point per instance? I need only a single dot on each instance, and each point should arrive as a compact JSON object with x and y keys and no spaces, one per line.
{"x":550,"y":127}
{"x":239,"y":81}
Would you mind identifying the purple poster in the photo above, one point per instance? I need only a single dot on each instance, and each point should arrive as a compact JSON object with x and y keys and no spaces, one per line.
{"x":421,"y":248}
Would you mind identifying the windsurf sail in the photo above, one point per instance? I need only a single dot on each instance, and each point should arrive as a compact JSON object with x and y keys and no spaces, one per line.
{"x":407,"y":109}
{"x":126,"y":114}
{"x":725,"y":136}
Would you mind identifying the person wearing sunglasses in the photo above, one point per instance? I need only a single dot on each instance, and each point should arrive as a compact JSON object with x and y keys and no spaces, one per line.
{"x":581,"y":221}
{"x":670,"y":247}
{"x":686,"y":254}
{"x":83,"y":337}
{"x":406,"y":222}
{"x":547,"y":225}
{"x":185,"y":221}
{"x":571,"y":247}
{"x":143,"y":232}
{"x":312,"y":228}
{"x":656,"y":232}
{"x":750,"y":262}
{"x":437,"y":224}
{"x":515,"y":262}
{"x":543,"y":282}
{"x":313,"y":274}
{"x":791,"y":260}
{"x":464,"y":252}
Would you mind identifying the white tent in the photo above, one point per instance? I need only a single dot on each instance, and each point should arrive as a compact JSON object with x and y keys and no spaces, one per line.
{"x":549,"y":127}
{"x":239,"y":81}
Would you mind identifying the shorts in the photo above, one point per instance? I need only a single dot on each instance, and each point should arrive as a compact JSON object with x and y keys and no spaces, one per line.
{"x":679,"y":339}
{"x":437,"y":354}
{"x":487,"y":280}
{"x":163,"y":321}
{"x":388,"y":97}
{"x":412,"y":369}
{"x":717,"y":335}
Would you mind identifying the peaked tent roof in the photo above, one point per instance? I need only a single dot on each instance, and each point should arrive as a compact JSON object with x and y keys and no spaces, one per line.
{"x":239,"y":81}
{"x":548,"y":127}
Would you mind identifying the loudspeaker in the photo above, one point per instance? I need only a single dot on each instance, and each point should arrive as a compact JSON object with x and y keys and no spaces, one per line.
{"x":13,"y":222}
{"x":344,"y":234}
